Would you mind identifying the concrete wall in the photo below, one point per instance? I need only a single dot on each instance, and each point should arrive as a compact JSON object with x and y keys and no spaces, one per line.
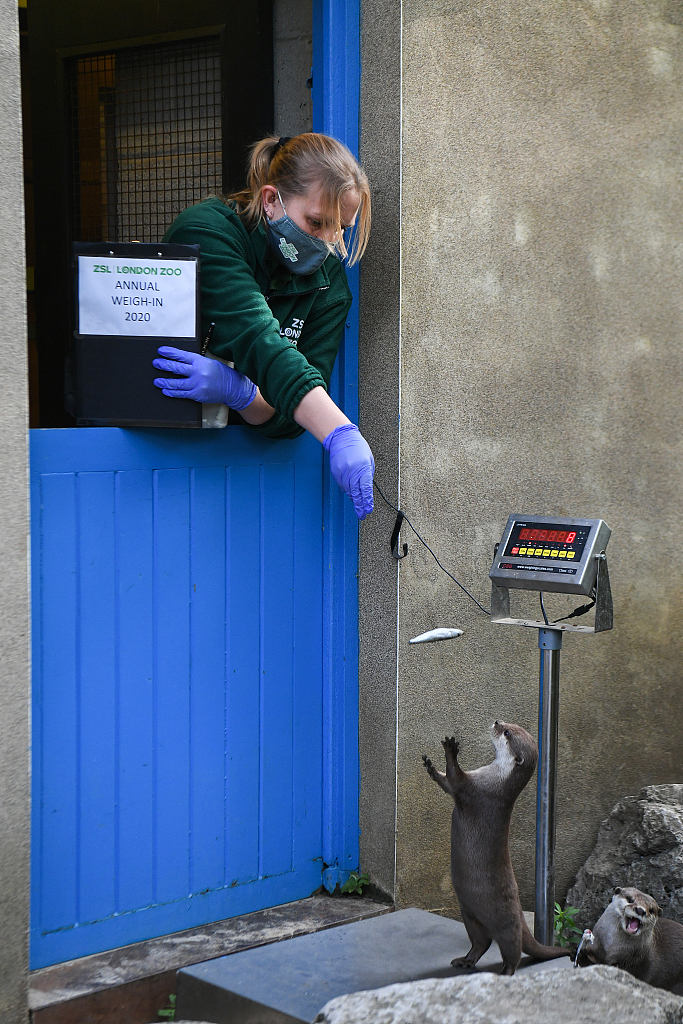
{"x":292,"y":56}
{"x":541,"y":371}
{"x":14,"y":619}
{"x":380,"y":324}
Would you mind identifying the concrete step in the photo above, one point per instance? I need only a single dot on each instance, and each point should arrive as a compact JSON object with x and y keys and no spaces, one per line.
{"x":128,"y":985}
{"x":290,"y":982}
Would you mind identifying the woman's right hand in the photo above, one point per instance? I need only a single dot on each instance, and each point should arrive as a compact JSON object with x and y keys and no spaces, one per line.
{"x":352,"y":465}
{"x":204,"y":380}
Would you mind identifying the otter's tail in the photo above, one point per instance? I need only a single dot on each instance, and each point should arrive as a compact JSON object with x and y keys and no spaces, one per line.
{"x":537,"y":951}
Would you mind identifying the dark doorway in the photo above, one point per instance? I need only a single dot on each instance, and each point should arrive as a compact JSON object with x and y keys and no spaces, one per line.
{"x":146,"y":137}
{"x":138,"y":110}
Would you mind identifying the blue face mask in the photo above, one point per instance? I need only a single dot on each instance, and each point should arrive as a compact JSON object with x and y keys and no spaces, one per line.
{"x":300,"y":252}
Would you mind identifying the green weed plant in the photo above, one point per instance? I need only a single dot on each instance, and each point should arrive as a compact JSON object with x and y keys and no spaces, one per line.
{"x":355,"y":883}
{"x":567,"y":933}
{"x":169,"y":1012}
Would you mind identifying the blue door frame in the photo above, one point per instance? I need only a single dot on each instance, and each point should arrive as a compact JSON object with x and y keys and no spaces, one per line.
{"x":336,"y":84}
{"x":336,"y":111}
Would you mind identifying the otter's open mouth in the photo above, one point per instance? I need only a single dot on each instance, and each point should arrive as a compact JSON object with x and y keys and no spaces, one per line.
{"x":633,"y":925}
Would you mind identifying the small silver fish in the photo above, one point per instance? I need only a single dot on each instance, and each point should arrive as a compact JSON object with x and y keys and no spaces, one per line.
{"x":436,"y":634}
{"x":586,"y":940}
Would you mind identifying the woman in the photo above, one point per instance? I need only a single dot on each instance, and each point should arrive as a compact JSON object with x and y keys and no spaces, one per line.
{"x":273,"y":284}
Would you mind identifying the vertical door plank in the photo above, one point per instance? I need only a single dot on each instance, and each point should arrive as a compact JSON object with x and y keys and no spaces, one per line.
{"x":242,"y":718}
{"x":136,"y":708}
{"x":307,"y":697}
{"x":98,"y":712}
{"x":207,"y":685}
{"x":277,"y":607}
{"x":171,"y":675}
{"x":59,"y":784}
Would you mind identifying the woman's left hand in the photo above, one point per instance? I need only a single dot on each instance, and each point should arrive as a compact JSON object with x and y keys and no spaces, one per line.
{"x":352,"y":465}
{"x":204,"y":380}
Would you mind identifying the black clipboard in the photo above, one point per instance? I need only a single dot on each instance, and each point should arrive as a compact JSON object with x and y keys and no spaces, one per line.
{"x":110,"y":375}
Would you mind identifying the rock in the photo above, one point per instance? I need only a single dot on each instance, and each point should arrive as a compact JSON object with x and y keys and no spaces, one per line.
{"x":640,"y":844}
{"x":594,"y":995}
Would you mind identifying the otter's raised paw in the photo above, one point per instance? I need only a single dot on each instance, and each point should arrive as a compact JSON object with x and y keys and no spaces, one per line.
{"x":451,"y":746}
{"x":431,"y":770}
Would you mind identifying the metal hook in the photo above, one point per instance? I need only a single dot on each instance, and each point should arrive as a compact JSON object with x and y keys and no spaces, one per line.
{"x":395,"y":538}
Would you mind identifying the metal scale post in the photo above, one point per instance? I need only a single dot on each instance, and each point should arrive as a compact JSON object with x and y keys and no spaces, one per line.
{"x":550,"y":644}
{"x":583,"y":570}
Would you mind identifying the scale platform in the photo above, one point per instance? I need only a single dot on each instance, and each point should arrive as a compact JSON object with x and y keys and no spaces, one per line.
{"x":289,"y":982}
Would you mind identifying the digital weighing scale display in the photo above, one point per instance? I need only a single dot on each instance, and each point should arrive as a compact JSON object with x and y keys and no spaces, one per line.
{"x":547,"y":540}
{"x":539,"y":553}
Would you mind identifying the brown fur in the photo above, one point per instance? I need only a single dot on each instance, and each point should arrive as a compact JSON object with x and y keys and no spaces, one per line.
{"x":481,"y":868}
{"x":652,"y":953}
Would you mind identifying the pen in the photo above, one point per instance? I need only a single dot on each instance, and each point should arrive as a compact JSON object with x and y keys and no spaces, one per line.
{"x":207,"y":339}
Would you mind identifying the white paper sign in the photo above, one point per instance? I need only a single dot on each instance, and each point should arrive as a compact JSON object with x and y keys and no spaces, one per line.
{"x":146,"y":298}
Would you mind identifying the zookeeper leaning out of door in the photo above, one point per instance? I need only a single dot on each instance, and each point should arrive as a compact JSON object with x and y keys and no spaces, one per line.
{"x":273,"y":284}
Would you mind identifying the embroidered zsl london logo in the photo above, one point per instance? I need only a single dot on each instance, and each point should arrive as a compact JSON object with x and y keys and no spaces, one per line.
{"x":293,"y":332}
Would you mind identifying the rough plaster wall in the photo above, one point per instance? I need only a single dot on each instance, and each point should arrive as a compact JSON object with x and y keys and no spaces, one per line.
{"x":14,"y":721}
{"x":292,"y":56}
{"x":542,"y":372}
{"x":379,"y":368}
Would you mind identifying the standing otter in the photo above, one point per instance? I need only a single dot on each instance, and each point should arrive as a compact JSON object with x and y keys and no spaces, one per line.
{"x":633,"y":935}
{"x":481,"y":868}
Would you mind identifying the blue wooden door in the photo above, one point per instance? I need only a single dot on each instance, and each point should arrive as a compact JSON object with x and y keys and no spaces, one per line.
{"x":195,"y":646}
{"x":178,"y":681}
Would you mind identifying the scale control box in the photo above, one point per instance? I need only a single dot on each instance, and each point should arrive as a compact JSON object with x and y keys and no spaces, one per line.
{"x":551,"y":554}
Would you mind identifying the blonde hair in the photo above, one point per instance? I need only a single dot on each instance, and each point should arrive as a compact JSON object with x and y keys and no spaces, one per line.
{"x":300,"y":164}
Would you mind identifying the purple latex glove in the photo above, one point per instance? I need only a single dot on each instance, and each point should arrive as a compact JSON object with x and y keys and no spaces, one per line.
{"x":352,"y":466}
{"x":206,"y":380}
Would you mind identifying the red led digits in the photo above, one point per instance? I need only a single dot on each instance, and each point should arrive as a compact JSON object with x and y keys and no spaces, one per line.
{"x":548,"y":536}
{"x":532,"y":534}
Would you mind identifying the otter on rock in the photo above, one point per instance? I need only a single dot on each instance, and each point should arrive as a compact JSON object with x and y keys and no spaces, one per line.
{"x":632,"y":935}
{"x":481,"y":868}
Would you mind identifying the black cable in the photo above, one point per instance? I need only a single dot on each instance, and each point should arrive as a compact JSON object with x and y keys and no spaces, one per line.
{"x":405,"y":519}
{"x":581,"y":610}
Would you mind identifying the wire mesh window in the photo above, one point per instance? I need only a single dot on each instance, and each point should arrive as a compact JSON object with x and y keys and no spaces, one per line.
{"x":145,"y":136}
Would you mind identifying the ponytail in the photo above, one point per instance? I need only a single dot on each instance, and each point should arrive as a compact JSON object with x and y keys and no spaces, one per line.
{"x":295,"y":166}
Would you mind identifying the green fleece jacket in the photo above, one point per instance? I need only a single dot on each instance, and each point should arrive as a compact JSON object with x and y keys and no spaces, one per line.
{"x":282,"y":330}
